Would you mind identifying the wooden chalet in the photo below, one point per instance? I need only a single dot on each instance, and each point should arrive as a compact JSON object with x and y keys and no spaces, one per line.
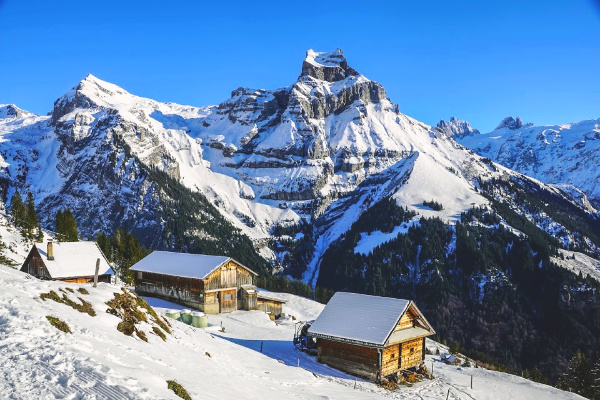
{"x":370,"y":336}
{"x":68,"y":261}
{"x":213,"y":284}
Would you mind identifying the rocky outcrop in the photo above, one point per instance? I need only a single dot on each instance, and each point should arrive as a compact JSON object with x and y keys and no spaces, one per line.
{"x":511,"y":123}
{"x":330,"y":67}
{"x":457,"y":128}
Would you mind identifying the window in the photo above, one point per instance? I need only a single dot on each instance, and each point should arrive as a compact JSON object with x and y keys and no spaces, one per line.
{"x":228,"y":297}
{"x":139,"y":275}
{"x":393,"y":355}
{"x":412,"y":350}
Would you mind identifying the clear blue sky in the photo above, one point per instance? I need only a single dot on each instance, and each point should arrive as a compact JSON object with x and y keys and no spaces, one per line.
{"x":476,"y":60}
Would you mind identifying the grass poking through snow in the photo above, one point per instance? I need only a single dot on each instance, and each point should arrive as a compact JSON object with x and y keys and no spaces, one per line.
{"x":178,"y":390}
{"x":58,"y":324}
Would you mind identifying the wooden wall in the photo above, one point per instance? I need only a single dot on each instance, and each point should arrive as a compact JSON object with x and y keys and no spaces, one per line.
{"x":390,"y":360}
{"x":229,"y":276}
{"x":247,"y":301}
{"x":228,"y":300}
{"x":184,"y":290}
{"x":87,"y":279}
{"x":270,"y":306}
{"x":408,"y":320}
{"x":34,"y":265}
{"x":412,"y":353}
{"x":356,"y":360}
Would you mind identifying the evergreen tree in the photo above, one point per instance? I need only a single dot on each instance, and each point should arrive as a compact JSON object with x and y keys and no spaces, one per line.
{"x":65,"y":226}
{"x":578,"y":378}
{"x":39,"y":235}
{"x":31,"y":218}
{"x":537,"y":376}
{"x":123,"y":250}
{"x":17,"y":209}
{"x":59,"y":224}
{"x":595,"y":380}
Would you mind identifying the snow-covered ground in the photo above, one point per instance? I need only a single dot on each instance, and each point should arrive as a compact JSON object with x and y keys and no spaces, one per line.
{"x":97,"y":362}
{"x":370,"y":240}
{"x":579,"y":262}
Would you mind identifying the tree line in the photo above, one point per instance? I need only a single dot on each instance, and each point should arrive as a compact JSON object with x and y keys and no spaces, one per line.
{"x":25,"y":217}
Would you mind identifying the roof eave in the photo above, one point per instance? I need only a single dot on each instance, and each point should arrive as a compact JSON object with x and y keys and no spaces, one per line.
{"x":346,"y":340}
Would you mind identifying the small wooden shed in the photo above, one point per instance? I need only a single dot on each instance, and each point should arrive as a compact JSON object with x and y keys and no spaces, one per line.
{"x":370,"y":336}
{"x":270,"y":304}
{"x":67,"y":261}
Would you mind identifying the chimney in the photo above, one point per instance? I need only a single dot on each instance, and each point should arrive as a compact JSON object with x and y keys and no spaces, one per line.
{"x":50,"y":251}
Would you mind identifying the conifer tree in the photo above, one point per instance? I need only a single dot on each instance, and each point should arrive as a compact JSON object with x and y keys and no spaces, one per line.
{"x":578,"y":378}
{"x":595,"y":380}
{"x":17,"y":209}
{"x":31,"y":218}
{"x":65,"y":226}
{"x":58,"y":224}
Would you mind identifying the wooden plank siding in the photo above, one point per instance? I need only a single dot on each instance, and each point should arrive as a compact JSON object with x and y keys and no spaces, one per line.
{"x":186,"y":291}
{"x":34,"y":265}
{"x":412,"y":353}
{"x":228,"y":300}
{"x":356,"y":360}
{"x":87,"y":279}
{"x":270,"y":306}
{"x":390,"y":360}
{"x":228,"y":276}
{"x":408,"y":320}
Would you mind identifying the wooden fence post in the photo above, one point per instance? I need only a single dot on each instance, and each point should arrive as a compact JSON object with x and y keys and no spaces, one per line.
{"x":96,"y":274}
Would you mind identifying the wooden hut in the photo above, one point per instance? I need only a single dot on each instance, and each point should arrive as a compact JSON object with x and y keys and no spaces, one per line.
{"x":68,"y":261}
{"x":370,"y":336}
{"x":213,"y":284}
{"x":270,"y":304}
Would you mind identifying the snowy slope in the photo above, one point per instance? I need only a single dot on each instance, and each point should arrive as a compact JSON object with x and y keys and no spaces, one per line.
{"x":567,"y":154}
{"x":97,"y":361}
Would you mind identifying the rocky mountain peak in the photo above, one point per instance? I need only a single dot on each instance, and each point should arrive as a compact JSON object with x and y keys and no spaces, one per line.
{"x":90,"y":92}
{"x":327,"y":66}
{"x":511,"y":123}
{"x":12,"y":111}
{"x":457,"y":128}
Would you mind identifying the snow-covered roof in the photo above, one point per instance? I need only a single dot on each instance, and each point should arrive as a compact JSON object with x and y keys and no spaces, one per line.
{"x":262,"y":295}
{"x":359,"y":318}
{"x":197,"y":266}
{"x":74,"y":259}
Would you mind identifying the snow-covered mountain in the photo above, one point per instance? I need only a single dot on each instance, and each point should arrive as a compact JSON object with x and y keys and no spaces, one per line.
{"x":567,"y":155}
{"x":263,"y":157}
{"x":322,"y":150}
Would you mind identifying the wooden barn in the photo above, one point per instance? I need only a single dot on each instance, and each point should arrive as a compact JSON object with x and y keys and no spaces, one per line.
{"x":370,"y":336}
{"x":68,"y":261}
{"x":213,"y":284}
